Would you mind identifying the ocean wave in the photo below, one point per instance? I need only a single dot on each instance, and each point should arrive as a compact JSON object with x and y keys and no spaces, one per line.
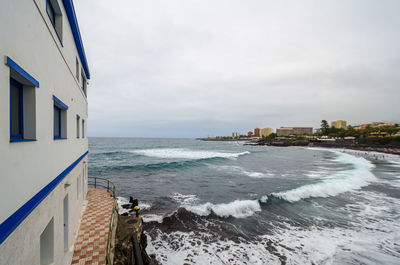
{"x":182,"y":153}
{"x":348,"y":180}
{"x":242,"y":171}
{"x":237,"y":208}
{"x":183,"y":199}
{"x":161,"y":165}
{"x":152,"y":218}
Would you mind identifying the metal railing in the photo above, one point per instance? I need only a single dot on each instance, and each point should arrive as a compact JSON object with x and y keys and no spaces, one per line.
{"x":110,"y":187}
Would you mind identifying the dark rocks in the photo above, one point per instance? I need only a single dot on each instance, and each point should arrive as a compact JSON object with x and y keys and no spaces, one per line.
{"x":129,"y":226}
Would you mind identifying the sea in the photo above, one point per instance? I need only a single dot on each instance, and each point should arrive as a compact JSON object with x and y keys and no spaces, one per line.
{"x":207,"y":202}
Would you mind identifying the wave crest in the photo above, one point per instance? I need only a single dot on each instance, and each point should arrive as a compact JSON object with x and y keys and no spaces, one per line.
{"x":340,"y":182}
{"x":237,"y":209}
{"x":181,"y":153}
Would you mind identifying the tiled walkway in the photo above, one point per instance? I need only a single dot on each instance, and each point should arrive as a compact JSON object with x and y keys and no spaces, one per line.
{"x":91,"y":244}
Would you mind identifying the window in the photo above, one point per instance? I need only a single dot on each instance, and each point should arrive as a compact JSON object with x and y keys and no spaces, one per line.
{"x":77,"y":125}
{"x":57,"y":122}
{"x":60,"y":119}
{"x":54,"y":12}
{"x":22,"y":104}
{"x":77,"y":69}
{"x":83,"y":81}
{"x":16,"y":108}
{"x":51,"y":12}
{"x":78,"y":187}
{"x":47,"y":244}
{"x":83,"y":128}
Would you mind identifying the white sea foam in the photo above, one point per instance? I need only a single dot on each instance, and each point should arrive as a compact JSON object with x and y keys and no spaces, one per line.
{"x":242,"y":171}
{"x":152,"y":218}
{"x":183,"y":199}
{"x":348,"y":180}
{"x":237,"y":208}
{"x":372,"y":239}
{"x":194,"y":250}
{"x":182,"y":153}
{"x":264,"y":199}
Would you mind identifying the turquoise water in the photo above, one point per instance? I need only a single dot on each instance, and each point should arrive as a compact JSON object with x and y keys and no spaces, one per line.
{"x":228,"y":203}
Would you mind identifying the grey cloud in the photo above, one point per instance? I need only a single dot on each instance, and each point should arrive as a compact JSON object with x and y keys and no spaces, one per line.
{"x":192,"y":68}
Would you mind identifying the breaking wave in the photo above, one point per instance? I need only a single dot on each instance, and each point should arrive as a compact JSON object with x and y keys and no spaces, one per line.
{"x":348,"y":180}
{"x":181,"y":153}
{"x":237,"y":208}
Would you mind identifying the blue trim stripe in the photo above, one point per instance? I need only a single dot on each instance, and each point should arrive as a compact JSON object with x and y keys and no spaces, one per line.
{"x":12,"y":222}
{"x":73,"y":22}
{"x":59,"y":103}
{"x":22,"y":72}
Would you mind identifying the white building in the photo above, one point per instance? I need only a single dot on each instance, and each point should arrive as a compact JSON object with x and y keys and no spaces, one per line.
{"x":43,"y":143}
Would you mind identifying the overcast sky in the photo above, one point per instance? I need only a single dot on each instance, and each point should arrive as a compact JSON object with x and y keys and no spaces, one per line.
{"x":197,"y":68}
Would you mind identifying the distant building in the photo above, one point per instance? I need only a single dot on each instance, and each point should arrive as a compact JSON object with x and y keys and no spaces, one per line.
{"x":339,"y":124}
{"x":257,"y":132}
{"x":264,"y":132}
{"x":294,"y":130}
{"x":317,"y":130}
{"x":235,"y":135}
{"x":374,"y":125}
{"x":250,"y":134}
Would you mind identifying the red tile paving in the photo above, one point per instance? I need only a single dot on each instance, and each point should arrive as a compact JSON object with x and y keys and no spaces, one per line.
{"x":91,"y":244}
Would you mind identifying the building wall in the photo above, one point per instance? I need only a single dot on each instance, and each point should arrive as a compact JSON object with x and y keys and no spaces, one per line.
{"x":257,"y":132}
{"x":264,"y":132}
{"x":339,"y":124}
{"x":284,"y":131}
{"x":28,"y":38}
{"x":294,"y":130}
{"x":23,"y":245}
{"x":302,"y":130}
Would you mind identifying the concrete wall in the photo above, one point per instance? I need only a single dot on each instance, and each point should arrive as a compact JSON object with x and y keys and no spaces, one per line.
{"x":23,"y":245}
{"x":28,"y":38}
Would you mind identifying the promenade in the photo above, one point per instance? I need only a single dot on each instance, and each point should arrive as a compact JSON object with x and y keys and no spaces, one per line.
{"x":91,"y":243}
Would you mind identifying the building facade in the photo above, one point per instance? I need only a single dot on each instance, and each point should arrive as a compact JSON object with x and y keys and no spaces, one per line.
{"x":339,"y":124}
{"x":257,"y":132}
{"x":264,"y":132}
{"x":294,"y":130}
{"x":43,"y":142}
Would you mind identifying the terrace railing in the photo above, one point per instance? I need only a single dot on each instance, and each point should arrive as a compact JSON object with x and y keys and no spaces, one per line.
{"x":110,"y":187}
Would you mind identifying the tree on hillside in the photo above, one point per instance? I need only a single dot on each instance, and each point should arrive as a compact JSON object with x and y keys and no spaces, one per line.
{"x":324,"y":127}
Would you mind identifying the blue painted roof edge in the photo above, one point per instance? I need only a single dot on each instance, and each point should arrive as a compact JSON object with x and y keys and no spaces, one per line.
{"x":73,"y":22}
{"x":60,"y":104}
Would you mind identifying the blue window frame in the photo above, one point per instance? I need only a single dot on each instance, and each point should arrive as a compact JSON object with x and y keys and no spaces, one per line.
{"x":16,"y":110}
{"x":59,"y":128}
{"x":57,"y":122}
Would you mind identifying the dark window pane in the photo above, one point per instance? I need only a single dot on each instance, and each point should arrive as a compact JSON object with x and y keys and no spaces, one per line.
{"x":50,"y":12}
{"x":83,"y":81}
{"x":16,"y":110}
{"x":77,"y":127}
{"x":57,"y":122}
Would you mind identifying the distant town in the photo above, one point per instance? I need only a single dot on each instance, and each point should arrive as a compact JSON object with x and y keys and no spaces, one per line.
{"x":377,"y":136}
{"x":337,"y":129}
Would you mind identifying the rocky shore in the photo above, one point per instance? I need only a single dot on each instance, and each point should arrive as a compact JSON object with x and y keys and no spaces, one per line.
{"x":390,"y":145}
{"x":131,"y":241}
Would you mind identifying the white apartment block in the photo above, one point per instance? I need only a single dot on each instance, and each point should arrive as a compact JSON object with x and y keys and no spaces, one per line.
{"x":43,"y":142}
